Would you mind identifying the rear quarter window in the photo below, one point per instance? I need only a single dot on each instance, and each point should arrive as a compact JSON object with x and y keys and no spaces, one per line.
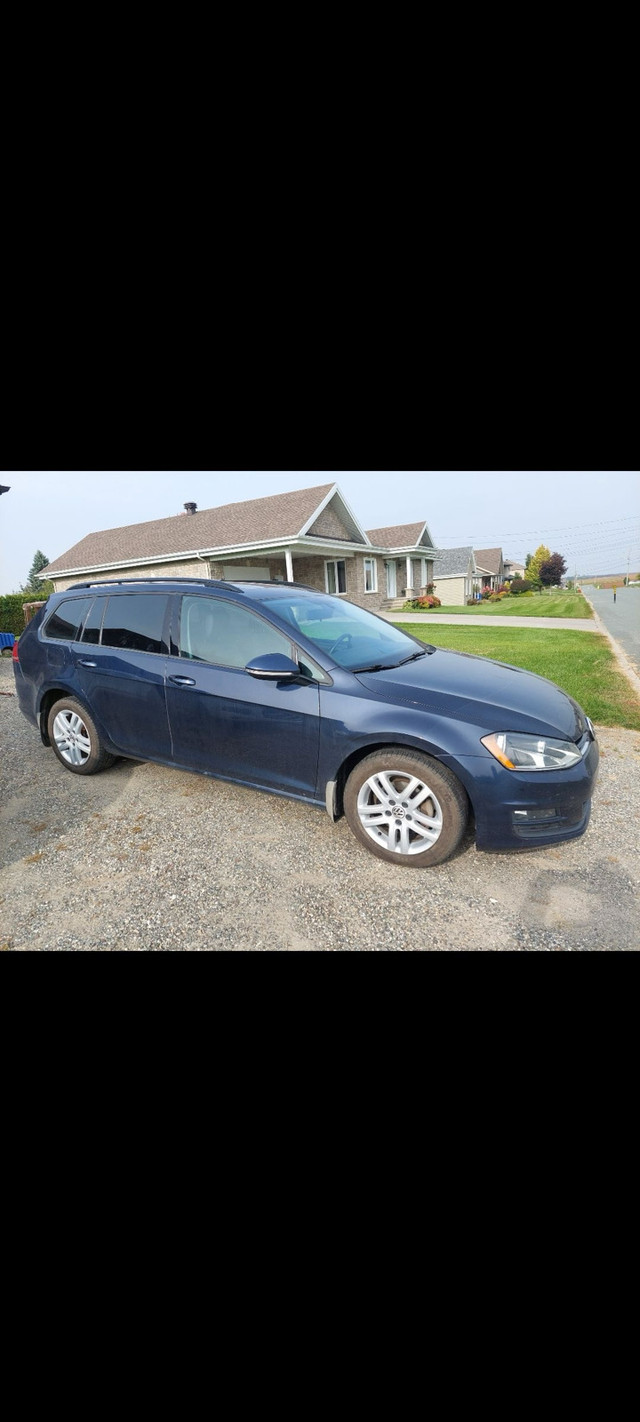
{"x":66,"y":622}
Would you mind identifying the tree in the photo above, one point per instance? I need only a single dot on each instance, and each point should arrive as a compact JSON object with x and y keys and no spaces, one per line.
{"x":32,"y":584}
{"x":552,"y":571}
{"x":541,"y":555}
{"x":527,"y":562}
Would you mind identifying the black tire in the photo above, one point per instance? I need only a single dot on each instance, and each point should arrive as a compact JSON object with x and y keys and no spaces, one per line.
{"x":83,"y":740}
{"x":396,"y":815}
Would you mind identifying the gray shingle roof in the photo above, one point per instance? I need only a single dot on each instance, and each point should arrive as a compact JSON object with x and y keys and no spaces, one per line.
{"x":253,"y":521}
{"x":451,"y":562}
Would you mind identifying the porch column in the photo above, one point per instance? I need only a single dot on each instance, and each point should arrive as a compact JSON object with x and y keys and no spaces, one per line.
{"x":423,"y":565}
{"x":409,"y":576}
{"x":289,"y":562}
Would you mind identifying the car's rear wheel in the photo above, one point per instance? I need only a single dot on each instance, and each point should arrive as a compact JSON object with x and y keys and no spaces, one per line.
{"x":406,"y":808}
{"x":75,"y":739}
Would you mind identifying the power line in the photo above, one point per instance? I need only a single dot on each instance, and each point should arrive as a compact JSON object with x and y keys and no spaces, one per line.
{"x":565,"y":528}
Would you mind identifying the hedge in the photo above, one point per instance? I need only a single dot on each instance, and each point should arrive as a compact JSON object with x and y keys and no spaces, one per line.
{"x":11,"y":614}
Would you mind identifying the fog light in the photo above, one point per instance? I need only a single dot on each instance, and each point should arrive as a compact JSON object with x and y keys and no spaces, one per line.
{"x":531,"y":815}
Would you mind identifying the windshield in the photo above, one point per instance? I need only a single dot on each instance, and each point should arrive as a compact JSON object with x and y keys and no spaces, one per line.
{"x":354,"y":638}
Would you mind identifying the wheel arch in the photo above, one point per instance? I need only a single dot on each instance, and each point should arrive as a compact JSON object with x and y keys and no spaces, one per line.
{"x":48,"y":699}
{"x":352,"y":760}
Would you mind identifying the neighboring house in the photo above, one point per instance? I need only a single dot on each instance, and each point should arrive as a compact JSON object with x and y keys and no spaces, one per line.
{"x":490,"y":565}
{"x":406,"y":574}
{"x":512,"y":569}
{"x":308,"y":536}
{"x":454,"y":575}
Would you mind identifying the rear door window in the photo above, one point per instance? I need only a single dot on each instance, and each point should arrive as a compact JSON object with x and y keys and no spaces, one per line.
{"x":65,"y":623}
{"x":212,"y":630}
{"x":136,"y":622}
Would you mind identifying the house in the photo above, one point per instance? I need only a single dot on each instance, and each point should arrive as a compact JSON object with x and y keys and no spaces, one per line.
{"x":490,"y":565}
{"x":513,"y":569}
{"x":454,"y":575}
{"x":308,"y":536}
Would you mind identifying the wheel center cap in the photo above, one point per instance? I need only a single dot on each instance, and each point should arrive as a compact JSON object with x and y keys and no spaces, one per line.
{"x":399,"y":812}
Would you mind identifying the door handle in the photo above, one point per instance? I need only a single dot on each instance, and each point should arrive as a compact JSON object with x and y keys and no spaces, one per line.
{"x":88,"y":664}
{"x":182,"y":680}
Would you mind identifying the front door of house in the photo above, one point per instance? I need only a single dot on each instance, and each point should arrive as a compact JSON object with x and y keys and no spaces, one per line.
{"x":391,"y":580}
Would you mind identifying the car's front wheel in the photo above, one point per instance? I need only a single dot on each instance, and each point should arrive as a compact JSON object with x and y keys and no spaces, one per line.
{"x":406,"y":808}
{"x":75,"y":739}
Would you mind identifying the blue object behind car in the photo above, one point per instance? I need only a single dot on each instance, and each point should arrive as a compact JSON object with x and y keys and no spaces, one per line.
{"x":299,"y":693}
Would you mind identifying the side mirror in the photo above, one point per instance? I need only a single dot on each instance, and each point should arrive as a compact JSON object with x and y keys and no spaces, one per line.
{"x":274,"y":667}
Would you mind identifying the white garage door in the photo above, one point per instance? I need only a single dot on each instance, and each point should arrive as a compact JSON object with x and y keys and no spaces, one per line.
{"x":251,"y":574}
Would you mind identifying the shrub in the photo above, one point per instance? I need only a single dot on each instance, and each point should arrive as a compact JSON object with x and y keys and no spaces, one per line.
{"x":421,"y":604}
{"x":487,"y":592}
{"x":520,"y":585}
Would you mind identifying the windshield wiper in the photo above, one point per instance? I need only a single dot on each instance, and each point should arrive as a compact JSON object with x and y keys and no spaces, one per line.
{"x":392,"y":667}
{"x":414,"y":658}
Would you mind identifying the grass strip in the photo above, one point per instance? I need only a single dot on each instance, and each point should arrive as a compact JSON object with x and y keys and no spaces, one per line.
{"x":581,"y":663}
{"x":561,"y":604}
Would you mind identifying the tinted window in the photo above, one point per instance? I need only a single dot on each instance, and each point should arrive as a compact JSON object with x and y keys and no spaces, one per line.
{"x":135,"y":623}
{"x":67,"y":619}
{"x":229,"y":636}
{"x":92,"y":624}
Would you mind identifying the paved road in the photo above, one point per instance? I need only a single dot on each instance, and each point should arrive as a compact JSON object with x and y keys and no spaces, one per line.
{"x":621,"y":618}
{"x":144,"y":858}
{"x":572,"y":624}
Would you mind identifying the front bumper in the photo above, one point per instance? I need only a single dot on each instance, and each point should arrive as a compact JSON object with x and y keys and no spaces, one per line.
{"x":514,"y":810}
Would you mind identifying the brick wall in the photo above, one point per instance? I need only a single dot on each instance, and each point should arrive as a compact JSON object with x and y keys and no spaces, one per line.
{"x":192,"y":569}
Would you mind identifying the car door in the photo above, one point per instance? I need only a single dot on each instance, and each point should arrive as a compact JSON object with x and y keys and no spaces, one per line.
{"x":121,"y":663}
{"x":227,"y":722}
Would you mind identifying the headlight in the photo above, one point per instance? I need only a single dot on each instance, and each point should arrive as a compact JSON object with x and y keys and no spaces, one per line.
{"x":519,"y":752}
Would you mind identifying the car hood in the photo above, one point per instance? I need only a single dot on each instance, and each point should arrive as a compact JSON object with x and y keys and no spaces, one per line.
{"x":483,"y":692}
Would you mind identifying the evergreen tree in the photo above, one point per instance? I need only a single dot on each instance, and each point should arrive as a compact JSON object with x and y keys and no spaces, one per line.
{"x":527,"y":562}
{"x":33,"y":585}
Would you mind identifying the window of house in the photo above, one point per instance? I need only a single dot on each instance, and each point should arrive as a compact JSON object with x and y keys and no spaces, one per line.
{"x":226,"y":635}
{"x":336,"y":576}
{"x":135,"y":622}
{"x":370,"y":575}
{"x":65,"y":624}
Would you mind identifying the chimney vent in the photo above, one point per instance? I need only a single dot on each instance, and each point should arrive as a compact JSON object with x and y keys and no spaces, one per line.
{"x":191,"y":508}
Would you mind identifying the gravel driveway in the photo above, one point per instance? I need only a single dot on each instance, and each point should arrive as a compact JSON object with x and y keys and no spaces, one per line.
{"x":142,"y":858}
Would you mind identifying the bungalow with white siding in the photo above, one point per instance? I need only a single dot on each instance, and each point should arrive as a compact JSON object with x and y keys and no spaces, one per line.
{"x":308,"y":536}
{"x":454,"y":573}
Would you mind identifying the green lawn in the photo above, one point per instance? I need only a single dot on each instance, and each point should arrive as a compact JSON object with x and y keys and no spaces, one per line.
{"x":582,"y":663}
{"x":554,"y":604}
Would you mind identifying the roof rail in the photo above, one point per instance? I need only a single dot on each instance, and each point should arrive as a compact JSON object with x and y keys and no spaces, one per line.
{"x":131,"y":582}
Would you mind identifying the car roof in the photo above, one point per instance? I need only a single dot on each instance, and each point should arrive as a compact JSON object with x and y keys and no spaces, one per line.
{"x":217,"y":585}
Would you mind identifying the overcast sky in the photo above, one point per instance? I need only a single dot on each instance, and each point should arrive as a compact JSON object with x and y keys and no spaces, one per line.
{"x":592,"y":519}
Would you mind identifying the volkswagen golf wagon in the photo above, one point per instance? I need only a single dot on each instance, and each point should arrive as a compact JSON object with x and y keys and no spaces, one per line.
{"x":299,"y":693}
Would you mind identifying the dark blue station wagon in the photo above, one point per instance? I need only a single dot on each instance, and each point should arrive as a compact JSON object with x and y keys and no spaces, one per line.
{"x":286,"y":689}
